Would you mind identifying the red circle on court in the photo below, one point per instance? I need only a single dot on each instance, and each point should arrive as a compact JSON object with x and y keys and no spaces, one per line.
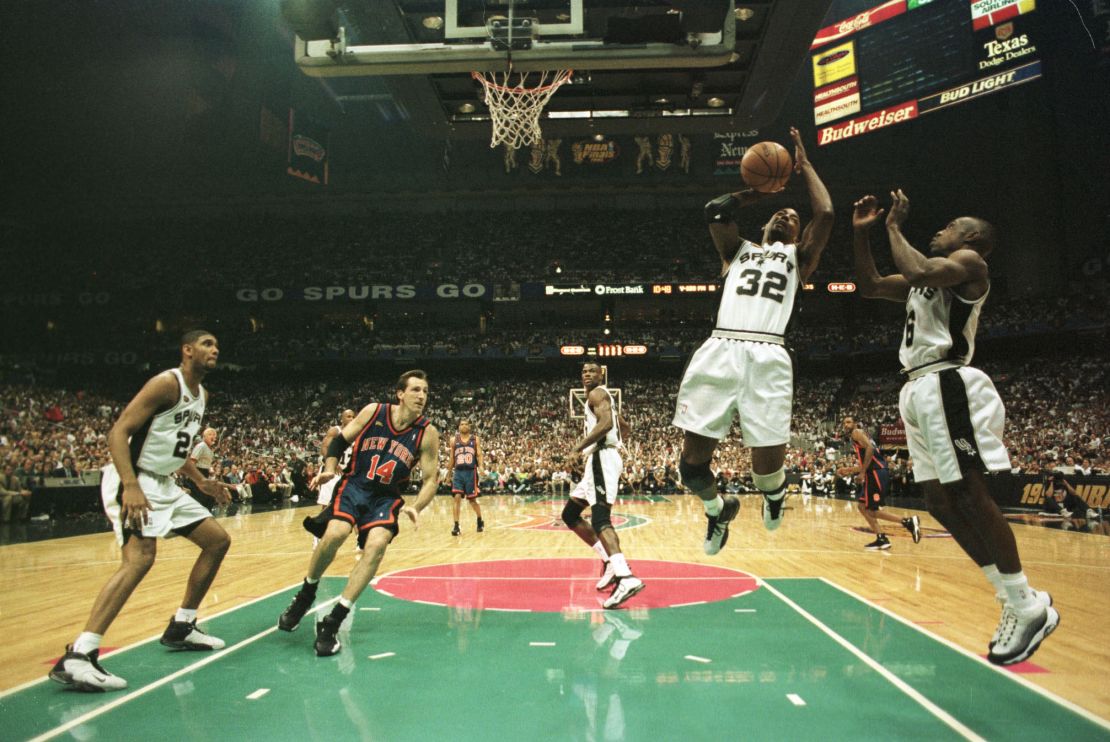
{"x":558,"y":585}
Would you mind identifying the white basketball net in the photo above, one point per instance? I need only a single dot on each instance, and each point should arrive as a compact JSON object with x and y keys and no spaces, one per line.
{"x":516,"y":109}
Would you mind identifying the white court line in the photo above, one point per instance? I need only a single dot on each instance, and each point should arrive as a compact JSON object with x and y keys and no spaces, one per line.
{"x":541,"y":644}
{"x":743,"y":610}
{"x":258,"y":694}
{"x":695,"y":658}
{"x":795,"y":699}
{"x":440,"y":578}
{"x":382,"y":656}
{"x":1089,"y":716}
{"x":52,"y":733}
{"x":687,"y":605}
{"x":742,"y":594}
{"x":370,"y":608}
{"x":952,"y":722}
{"x":156,"y":637}
{"x":511,"y":610}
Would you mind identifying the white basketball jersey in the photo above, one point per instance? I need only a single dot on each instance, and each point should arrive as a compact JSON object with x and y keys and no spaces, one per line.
{"x":162,"y":445}
{"x":612,"y":439}
{"x":940,"y":328}
{"x":759,"y":289}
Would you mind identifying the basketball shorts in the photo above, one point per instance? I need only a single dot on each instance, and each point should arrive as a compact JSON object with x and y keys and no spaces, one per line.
{"x":726,"y":378}
{"x":875,"y":488}
{"x":465,"y":482}
{"x":327,"y":490}
{"x":365,"y":510}
{"x":600,"y":478}
{"x":954,"y":421}
{"x":171,"y":508}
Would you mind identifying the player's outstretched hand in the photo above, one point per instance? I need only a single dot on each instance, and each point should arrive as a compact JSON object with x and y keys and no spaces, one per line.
{"x":866,"y":212}
{"x":215,"y":490}
{"x":899,"y":209}
{"x":413,"y":515}
{"x":800,"y":159}
{"x":321,"y":478}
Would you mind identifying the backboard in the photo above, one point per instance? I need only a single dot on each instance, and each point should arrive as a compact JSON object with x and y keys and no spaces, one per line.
{"x":641,"y":66}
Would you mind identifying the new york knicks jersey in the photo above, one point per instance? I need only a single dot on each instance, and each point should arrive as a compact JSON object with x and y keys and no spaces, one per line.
{"x":612,"y":439}
{"x":878,"y":460}
{"x":162,"y":444}
{"x":759,"y":289}
{"x":384,"y":457}
{"x":940,"y":329}
{"x":465,"y":454}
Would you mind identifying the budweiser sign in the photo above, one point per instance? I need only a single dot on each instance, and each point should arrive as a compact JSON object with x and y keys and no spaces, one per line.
{"x":863,"y":124}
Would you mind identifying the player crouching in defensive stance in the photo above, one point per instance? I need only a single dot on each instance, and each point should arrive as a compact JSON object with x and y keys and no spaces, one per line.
{"x":953,"y":414}
{"x":601,"y":444}
{"x":149,"y":442}
{"x":387,"y":442}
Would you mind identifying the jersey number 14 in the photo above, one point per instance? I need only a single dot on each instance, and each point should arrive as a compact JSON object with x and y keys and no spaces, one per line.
{"x":384,"y":472}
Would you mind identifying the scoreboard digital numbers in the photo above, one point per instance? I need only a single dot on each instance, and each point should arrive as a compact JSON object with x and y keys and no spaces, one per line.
{"x":906,"y":58}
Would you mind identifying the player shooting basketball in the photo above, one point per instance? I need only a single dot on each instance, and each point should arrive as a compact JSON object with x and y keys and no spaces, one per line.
{"x":744,"y":368}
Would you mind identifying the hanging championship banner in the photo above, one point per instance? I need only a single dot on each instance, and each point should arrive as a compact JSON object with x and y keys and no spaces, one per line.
{"x":308,"y":149}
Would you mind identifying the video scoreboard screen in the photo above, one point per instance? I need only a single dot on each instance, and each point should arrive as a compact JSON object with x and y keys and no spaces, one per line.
{"x":905,"y":58}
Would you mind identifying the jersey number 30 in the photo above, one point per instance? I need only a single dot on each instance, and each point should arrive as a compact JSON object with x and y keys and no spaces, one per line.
{"x":383,"y":473}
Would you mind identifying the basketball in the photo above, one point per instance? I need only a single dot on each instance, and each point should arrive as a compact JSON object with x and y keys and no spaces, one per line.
{"x":766,"y":166}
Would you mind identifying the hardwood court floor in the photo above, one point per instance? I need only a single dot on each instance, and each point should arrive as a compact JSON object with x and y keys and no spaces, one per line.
{"x":46,"y":589}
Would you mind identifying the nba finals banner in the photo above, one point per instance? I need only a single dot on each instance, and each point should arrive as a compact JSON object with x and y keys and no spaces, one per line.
{"x":308,"y":149}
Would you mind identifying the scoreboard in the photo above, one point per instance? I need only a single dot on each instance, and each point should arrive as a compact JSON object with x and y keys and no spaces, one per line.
{"x":906,"y":58}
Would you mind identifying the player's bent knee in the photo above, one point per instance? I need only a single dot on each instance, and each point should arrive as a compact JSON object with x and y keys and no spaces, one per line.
{"x":769,"y":482}
{"x":696,"y":477}
{"x":599,"y":518}
{"x":572,"y":513}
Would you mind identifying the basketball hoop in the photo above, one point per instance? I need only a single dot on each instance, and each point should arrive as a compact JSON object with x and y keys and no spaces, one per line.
{"x":516,"y":109}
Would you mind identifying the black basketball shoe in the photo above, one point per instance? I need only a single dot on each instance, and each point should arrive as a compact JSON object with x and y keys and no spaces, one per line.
{"x":716,"y":535}
{"x":291,"y":618}
{"x":327,"y":641}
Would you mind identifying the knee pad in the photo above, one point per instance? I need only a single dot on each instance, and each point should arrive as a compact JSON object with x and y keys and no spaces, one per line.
{"x":599,"y":518}
{"x":769,"y":483}
{"x":572,"y":513}
{"x":696,"y":477}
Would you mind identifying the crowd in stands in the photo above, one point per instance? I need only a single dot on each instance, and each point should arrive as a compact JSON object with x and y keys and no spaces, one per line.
{"x":1058,"y":415}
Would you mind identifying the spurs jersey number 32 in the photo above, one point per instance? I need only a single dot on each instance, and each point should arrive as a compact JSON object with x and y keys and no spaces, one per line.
{"x":759,"y":289}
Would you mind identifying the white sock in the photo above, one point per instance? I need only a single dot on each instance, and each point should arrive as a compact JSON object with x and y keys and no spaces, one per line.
{"x":346,"y":603}
{"x":311,"y":581}
{"x":713,"y":507}
{"x":87,"y":642}
{"x":1018,"y":593}
{"x":600,"y":549}
{"x":995,"y":577}
{"x":620,"y":566}
{"x":188,"y":615}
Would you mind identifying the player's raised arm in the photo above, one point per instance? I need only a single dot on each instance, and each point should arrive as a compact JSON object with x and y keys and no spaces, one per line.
{"x":865,"y":215}
{"x":720,"y":215}
{"x":158,"y":394}
{"x":342,"y":442}
{"x":816,"y":234}
{"x":959,"y":267}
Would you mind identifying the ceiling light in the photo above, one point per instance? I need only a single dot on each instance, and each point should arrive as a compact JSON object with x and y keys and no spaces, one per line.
{"x":744,"y":14}
{"x":467,"y":108}
{"x":434,"y":22}
{"x":715,"y":102}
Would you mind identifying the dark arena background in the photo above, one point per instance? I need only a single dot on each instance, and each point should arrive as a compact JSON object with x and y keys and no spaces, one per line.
{"x":312,"y":182}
